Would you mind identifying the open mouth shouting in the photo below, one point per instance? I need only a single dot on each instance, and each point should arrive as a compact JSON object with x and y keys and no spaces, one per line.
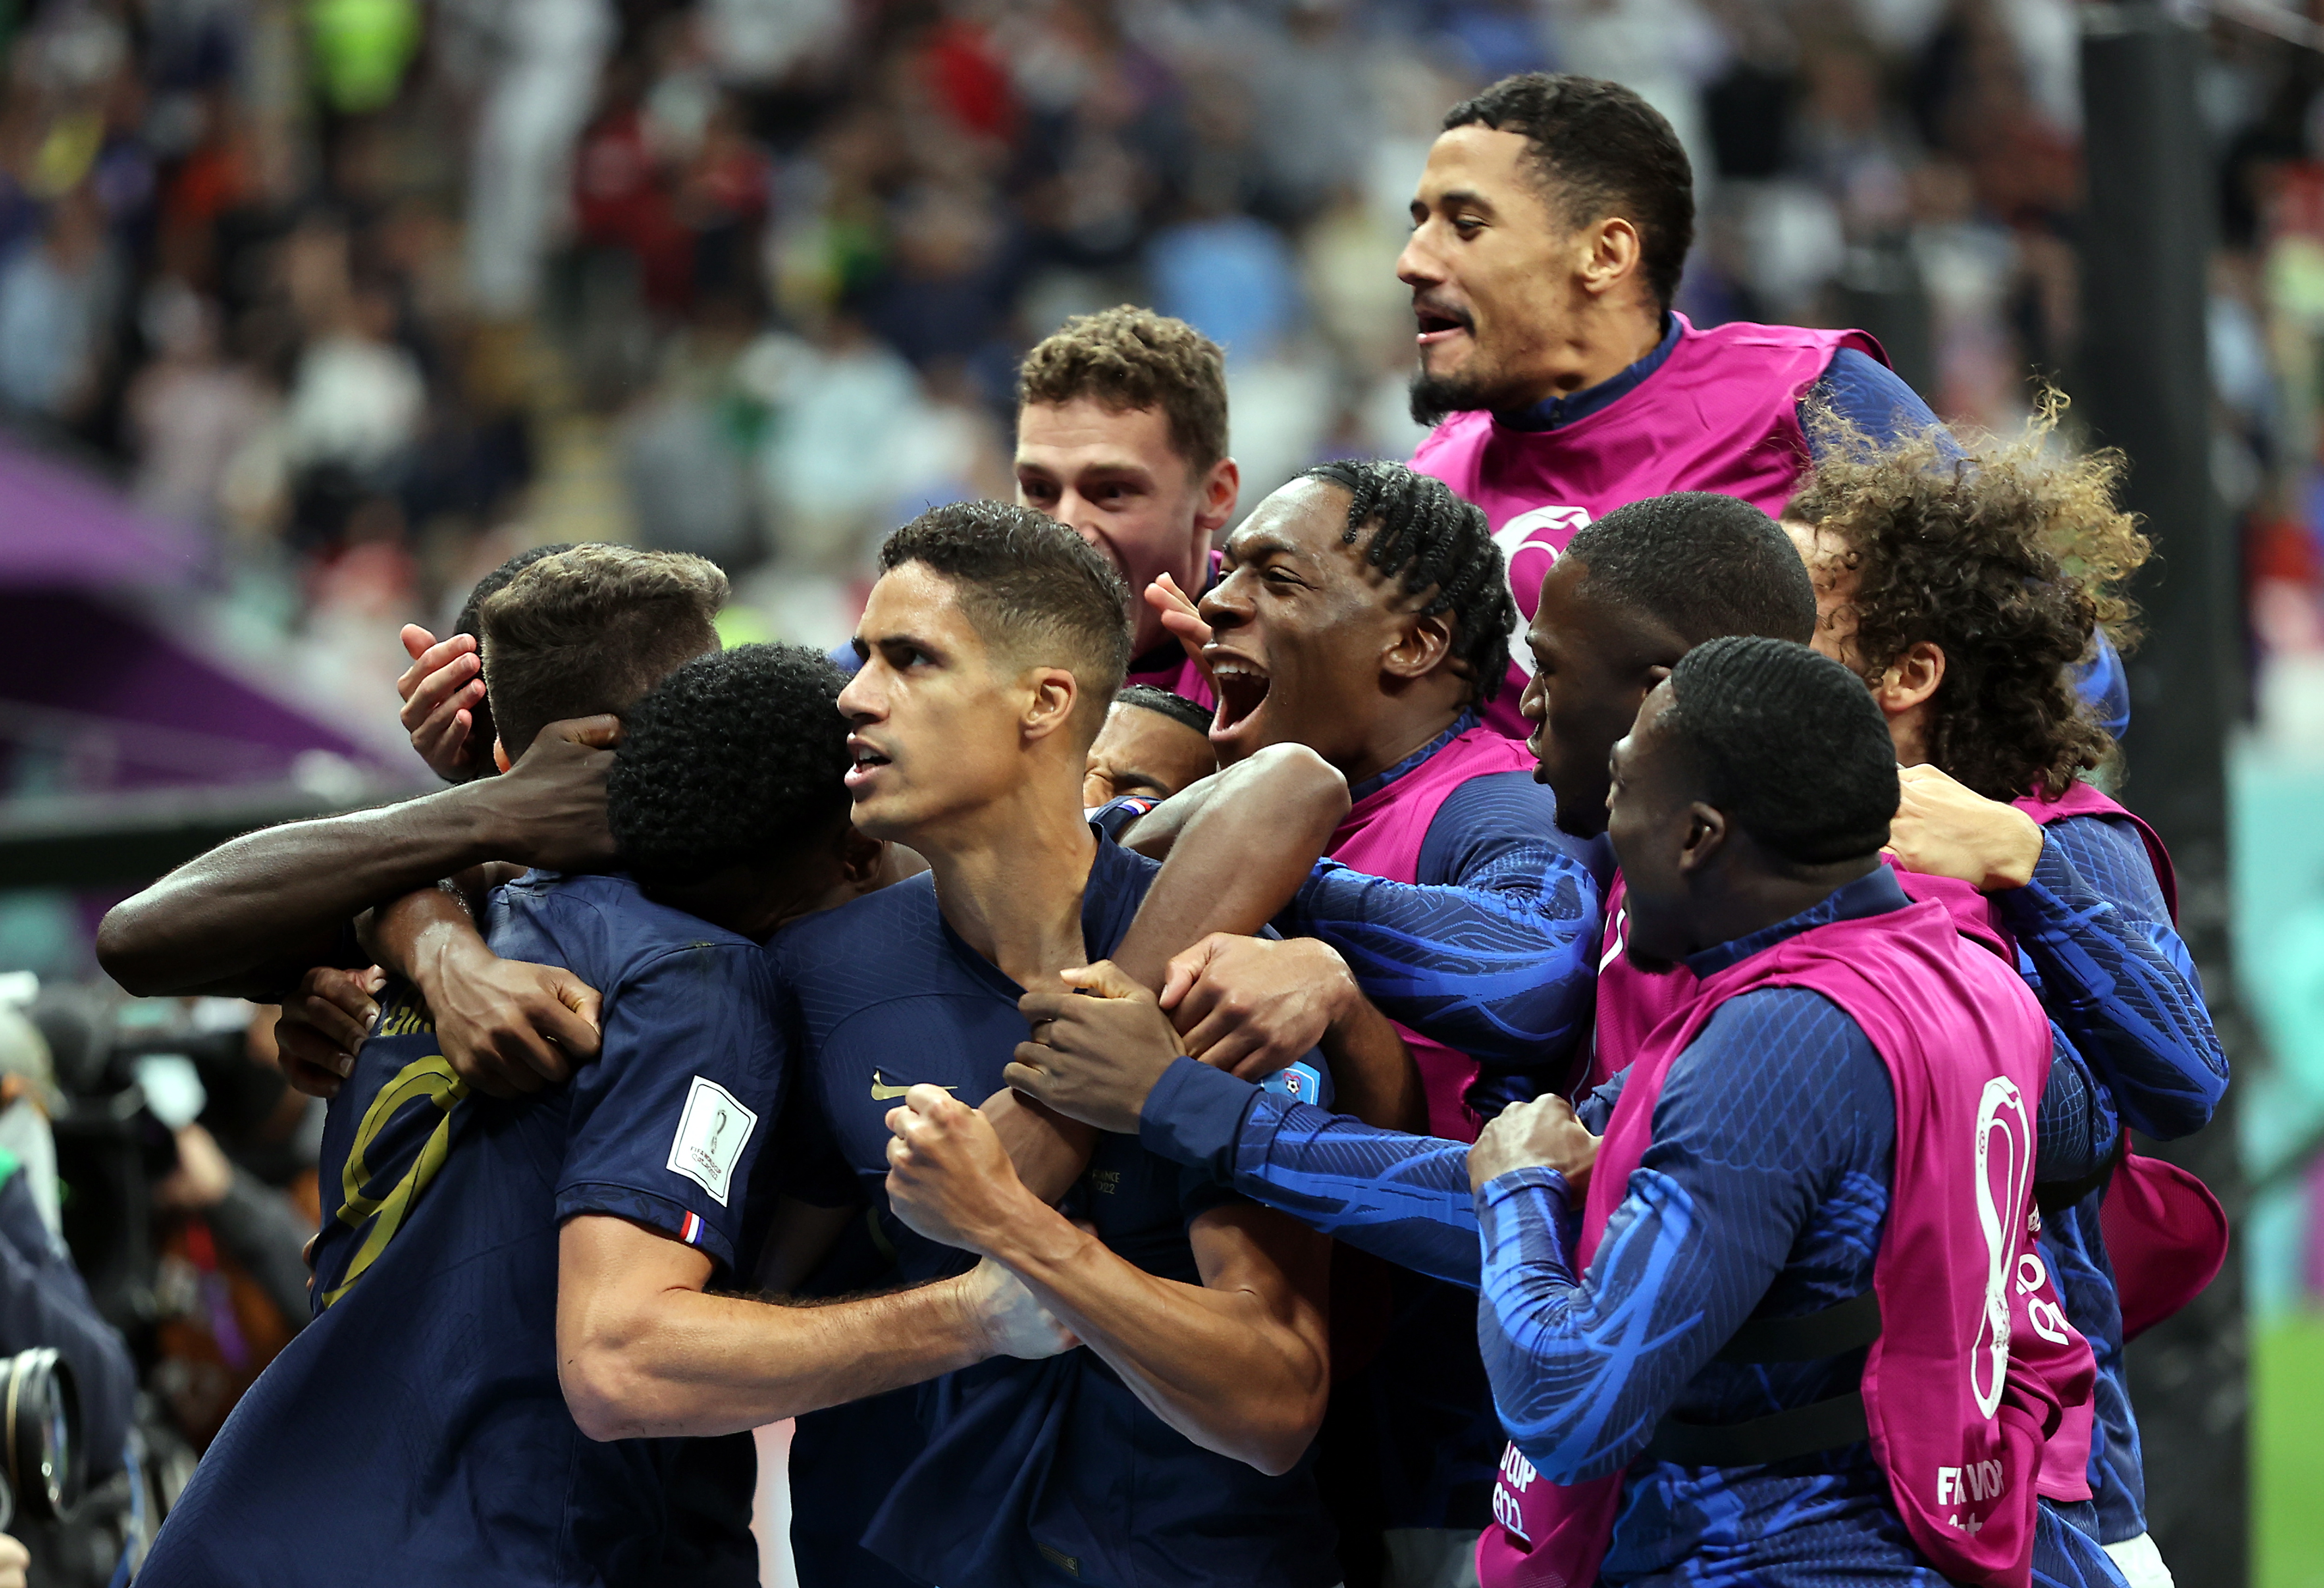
{"x":863,"y":764}
{"x":1243,"y":686}
{"x":1439,"y":323}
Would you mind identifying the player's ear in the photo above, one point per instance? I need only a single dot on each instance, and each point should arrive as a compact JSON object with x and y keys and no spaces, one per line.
{"x":862,"y":859}
{"x":1419,"y":645}
{"x":500,"y":753}
{"x":1911,"y":678}
{"x":1050,"y":706}
{"x":1706,"y":838}
{"x":1220,"y":486}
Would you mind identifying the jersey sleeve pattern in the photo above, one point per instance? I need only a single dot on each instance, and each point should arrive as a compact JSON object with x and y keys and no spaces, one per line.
{"x":1399,"y":1196}
{"x":2096,"y":935}
{"x":2076,"y":1127}
{"x":669,"y":1123}
{"x":1763,"y":1194}
{"x":1492,"y":953}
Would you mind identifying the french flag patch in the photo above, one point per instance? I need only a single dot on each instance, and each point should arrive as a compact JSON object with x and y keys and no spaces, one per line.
{"x":690,"y":1231}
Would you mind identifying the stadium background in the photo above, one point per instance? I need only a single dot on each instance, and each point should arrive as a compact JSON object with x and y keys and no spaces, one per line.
{"x":312,"y":310}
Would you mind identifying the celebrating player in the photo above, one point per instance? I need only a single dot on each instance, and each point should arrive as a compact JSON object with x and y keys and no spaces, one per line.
{"x":512,"y":1293}
{"x":1362,"y":612}
{"x":1961,"y":595}
{"x":1843,"y":1113}
{"x":991,"y":646}
{"x":1154,"y":743}
{"x":1549,"y":231}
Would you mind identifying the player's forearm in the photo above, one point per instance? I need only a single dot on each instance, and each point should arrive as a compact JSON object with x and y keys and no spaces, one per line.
{"x":1216,"y":1365}
{"x":1401,"y":1197}
{"x":237,"y":919}
{"x":2108,"y":978}
{"x":1241,"y":853}
{"x":1502,"y":974}
{"x":694,"y":1364}
{"x":1372,"y":1070}
{"x":1049,"y":1150}
{"x":422,"y":936}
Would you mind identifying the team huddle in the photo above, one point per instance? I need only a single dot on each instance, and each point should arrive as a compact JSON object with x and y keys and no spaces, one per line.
{"x":1567,"y":1011}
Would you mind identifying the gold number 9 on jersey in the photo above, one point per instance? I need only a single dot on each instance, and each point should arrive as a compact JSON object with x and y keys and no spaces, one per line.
{"x":428,"y":1081}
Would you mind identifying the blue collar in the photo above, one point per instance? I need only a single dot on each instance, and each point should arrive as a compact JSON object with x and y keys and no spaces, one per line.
{"x":1557,"y":412}
{"x":1379,"y":780}
{"x":1877,"y":892}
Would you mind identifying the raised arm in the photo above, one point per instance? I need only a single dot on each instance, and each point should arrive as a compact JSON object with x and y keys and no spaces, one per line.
{"x":2082,"y":898}
{"x":248,"y":918}
{"x":1238,"y":1363}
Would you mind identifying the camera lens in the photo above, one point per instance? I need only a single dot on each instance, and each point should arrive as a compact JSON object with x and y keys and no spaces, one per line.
{"x":39,"y":1424}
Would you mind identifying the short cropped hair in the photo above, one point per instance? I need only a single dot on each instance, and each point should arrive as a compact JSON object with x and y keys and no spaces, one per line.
{"x":1128,"y":358}
{"x":1169,"y":704}
{"x":1035,"y":591}
{"x":590,"y":630}
{"x":1433,"y":542}
{"x":2008,"y":555}
{"x":1600,"y":151}
{"x":734,"y":759}
{"x":476,"y":755}
{"x":1788,"y":743}
{"x":1705,"y":564}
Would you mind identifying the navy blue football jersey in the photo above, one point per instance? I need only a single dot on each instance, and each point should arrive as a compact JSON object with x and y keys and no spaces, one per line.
{"x":1030,"y":1471}
{"x":416,"y":1431}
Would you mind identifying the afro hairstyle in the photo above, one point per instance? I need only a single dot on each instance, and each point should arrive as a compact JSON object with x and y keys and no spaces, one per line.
{"x":734,"y":759}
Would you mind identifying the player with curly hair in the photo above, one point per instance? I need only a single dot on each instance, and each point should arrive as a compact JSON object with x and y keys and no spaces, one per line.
{"x":1965,"y":586}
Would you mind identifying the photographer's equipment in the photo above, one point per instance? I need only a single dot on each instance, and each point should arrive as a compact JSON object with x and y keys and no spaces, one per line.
{"x":40,"y":1426}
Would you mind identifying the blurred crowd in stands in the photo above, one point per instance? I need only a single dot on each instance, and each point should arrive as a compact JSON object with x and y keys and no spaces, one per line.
{"x":378,"y":293}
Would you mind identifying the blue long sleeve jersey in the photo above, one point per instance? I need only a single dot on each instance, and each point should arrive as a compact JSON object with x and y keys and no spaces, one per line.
{"x":1763,"y":1195}
{"x":2094,"y":940}
{"x":1492,"y":949}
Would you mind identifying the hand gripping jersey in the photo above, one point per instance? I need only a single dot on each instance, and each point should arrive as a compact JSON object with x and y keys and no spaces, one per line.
{"x":1720,"y":414}
{"x":416,"y":1430}
{"x":1030,"y":1471}
{"x":1381,"y":836}
{"x":1974,"y":1362}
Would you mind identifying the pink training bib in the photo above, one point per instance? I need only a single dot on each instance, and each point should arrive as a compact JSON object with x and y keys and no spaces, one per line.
{"x":1720,"y":414}
{"x":1381,"y":837}
{"x":1975,"y":1360}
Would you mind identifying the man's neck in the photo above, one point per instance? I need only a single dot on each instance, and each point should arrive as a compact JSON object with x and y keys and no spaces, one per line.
{"x":1601,"y":343}
{"x":1752,"y":902}
{"x":1401,"y":729}
{"x":1009,"y":878}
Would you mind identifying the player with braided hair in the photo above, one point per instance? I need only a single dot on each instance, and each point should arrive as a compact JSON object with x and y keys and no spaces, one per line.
{"x":1362,"y":611}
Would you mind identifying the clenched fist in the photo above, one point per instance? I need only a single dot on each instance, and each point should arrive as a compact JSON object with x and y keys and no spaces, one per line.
{"x":1540,"y":1135}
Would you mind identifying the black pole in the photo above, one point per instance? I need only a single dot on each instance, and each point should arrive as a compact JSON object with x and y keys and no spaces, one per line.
{"x":2143,"y":385}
